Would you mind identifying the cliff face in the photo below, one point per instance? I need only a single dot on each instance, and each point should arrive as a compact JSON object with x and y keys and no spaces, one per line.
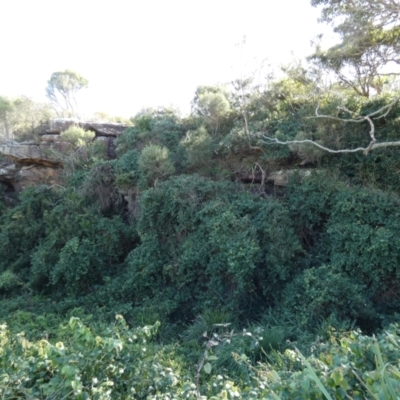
{"x":31,"y":163}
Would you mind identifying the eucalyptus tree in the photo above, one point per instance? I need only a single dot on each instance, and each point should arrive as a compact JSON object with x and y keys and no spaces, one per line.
{"x":369,"y":47}
{"x":365,"y":59}
{"x":61,"y":90}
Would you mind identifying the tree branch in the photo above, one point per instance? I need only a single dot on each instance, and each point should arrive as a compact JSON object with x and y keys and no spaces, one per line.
{"x":372,"y":145}
{"x":380,"y":113}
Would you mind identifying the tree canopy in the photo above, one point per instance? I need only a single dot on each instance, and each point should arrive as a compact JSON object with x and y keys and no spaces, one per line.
{"x":368,"y":51}
{"x":61,"y":90}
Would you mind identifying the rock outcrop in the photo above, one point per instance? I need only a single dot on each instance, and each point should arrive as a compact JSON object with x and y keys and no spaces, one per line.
{"x":277,"y":178}
{"x":56,"y":126}
{"x":38,"y":162}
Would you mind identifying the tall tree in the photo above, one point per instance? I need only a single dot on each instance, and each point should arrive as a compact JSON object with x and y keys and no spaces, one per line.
{"x":369,"y":47}
{"x":368,"y":52}
{"x":61,"y":90}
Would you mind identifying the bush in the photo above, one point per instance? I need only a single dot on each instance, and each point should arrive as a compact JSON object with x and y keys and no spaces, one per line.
{"x":198,"y":144}
{"x":154,"y":163}
{"x":320,"y":293}
{"x":204,"y":244}
{"x":77,"y":136}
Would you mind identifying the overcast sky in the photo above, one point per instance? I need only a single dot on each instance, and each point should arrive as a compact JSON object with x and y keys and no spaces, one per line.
{"x":144,"y":53}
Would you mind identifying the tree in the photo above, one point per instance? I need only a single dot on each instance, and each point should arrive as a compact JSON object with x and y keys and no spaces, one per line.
{"x":61,"y":90}
{"x":6,"y":107}
{"x":370,"y":42}
{"x":21,"y":116}
{"x":368,"y":53}
{"x":212,"y":104}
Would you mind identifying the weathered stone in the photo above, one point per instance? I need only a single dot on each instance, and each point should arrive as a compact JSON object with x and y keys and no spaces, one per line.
{"x":7,"y":172}
{"x":278,"y":178}
{"x":37,"y":175}
{"x":20,"y":176}
{"x":106,"y":128}
{"x":59,"y":125}
{"x":43,"y":154}
{"x":30,"y":163}
{"x":282,"y":177}
{"x":50,"y":138}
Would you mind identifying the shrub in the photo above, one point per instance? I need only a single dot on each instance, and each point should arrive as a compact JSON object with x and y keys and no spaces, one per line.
{"x":198,"y":144}
{"x":77,"y":136}
{"x":155,"y":164}
{"x":320,"y":293}
{"x":204,"y":244}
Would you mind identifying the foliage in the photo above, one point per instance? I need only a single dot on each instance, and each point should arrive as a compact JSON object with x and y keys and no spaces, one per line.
{"x":22,"y":228}
{"x":205,"y":245}
{"x":369,"y":34}
{"x":58,"y":241}
{"x":212,"y":105}
{"x":237,"y":277}
{"x":75,"y":260}
{"x":77,"y":136}
{"x":21,"y":117}
{"x":325,"y":292}
{"x":152,"y":126}
{"x":154,"y":164}
{"x":199,"y":146}
{"x":121,"y":362}
{"x":81,"y":149}
{"x":61,"y":90}
{"x":353,"y":231}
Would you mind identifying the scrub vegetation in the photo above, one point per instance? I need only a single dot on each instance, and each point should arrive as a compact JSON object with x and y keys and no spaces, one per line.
{"x":180,"y":270}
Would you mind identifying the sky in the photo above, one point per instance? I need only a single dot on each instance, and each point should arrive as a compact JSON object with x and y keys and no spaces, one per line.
{"x":147,"y":53}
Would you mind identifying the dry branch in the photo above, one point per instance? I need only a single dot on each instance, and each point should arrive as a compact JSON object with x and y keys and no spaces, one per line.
{"x":380,"y":113}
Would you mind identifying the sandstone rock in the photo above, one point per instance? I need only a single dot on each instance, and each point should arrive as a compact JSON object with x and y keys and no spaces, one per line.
{"x":28,"y":153}
{"x":37,"y":175}
{"x":19,"y":176}
{"x":278,"y":178}
{"x":282,"y":177}
{"x":33,"y":163}
{"x":50,"y":138}
{"x":61,"y":124}
{"x":7,"y":171}
{"x":56,"y":126}
{"x":106,"y":128}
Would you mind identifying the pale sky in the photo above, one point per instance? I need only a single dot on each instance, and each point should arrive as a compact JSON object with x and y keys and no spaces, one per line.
{"x":146,"y":53}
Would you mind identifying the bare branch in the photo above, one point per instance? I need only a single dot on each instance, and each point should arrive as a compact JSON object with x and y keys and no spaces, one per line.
{"x":372,"y":145}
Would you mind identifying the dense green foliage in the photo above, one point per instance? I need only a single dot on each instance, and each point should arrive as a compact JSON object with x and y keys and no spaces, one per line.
{"x":226,"y":282}
{"x":118,"y":362}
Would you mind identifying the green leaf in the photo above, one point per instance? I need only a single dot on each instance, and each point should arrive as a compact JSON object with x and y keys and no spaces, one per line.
{"x":207,"y":368}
